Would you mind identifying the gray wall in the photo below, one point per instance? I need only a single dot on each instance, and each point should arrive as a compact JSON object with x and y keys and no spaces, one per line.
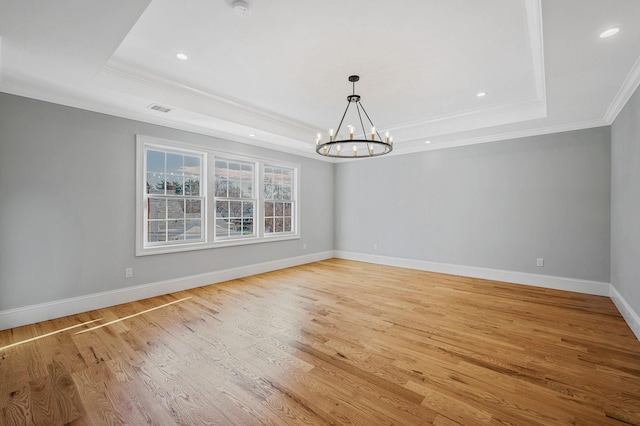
{"x":67,"y":206}
{"x":499,"y":205}
{"x":625,"y":202}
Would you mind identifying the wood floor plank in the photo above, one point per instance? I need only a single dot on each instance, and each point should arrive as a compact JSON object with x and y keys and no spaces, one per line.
{"x":332,"y":342}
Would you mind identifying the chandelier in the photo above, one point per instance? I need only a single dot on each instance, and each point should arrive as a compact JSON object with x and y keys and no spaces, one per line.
{"x":366,"y":145}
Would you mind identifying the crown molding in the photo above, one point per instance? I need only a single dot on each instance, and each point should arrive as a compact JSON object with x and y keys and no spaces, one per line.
{"x":15,"y":86}
{"x":522,"y":109}
{"x":399,"y":150}
{"x":118,"y":70}
{"x":536,"y":40}
{"x":625,"y":92}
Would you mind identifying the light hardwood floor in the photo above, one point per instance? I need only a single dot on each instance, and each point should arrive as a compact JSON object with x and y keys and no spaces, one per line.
{"x":333,"y":342}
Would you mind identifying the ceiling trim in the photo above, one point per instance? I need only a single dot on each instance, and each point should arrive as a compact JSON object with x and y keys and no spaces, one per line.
{"x":116,"y":71}
{"x":524,"y":109}
{"x":17,"y":87}
{"x":536,"y":41}
{"x":625,"y":92}
{"x":398,"y":150}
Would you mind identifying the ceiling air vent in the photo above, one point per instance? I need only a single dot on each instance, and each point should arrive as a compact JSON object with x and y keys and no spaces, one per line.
{"x":160,"y":108}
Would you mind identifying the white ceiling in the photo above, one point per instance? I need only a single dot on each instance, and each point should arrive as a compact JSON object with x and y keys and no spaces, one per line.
{"x":280,"y":73}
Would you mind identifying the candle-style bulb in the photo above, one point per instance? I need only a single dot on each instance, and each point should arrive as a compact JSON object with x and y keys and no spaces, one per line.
{"x":355,"y":151}
{"x":331,"y":135}
{"x":373,"y":133}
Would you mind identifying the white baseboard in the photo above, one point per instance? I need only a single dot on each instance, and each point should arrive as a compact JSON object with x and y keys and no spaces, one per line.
{"x":75,"y":305}
{"x":630,"y":316}
{"x":546,"y":281}
{"x":59,"y":308}
{"x":558,"y":283}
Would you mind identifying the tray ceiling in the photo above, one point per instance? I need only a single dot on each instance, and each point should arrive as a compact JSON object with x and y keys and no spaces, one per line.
{"x":280,"y":73}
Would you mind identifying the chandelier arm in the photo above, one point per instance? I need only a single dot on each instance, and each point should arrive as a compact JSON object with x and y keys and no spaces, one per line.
{"x":343,"y":116}
{"x":365,"y":113}
{"x":358,"y":106}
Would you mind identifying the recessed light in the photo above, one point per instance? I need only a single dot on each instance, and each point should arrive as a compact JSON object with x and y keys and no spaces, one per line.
{"x":241,"y":8}
{"x":481,"y":94}
{"x":610,"y":32}
{"x":182,"y":56}
{"x":427,"y":142}
{"x":253,"y":135}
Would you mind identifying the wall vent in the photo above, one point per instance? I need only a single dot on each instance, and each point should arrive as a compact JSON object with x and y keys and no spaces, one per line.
{"x":160,"y":108}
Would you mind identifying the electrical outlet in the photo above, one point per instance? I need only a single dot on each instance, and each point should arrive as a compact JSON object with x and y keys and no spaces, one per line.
{"x":304,"y":246}
{"x":128,"y":272}
{"x":540,"y":262}
{"x":375,"y":246}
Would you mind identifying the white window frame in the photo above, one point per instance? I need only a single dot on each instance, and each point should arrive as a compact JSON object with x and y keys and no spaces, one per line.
{"x":207,"y":185}
{"x":294,"y":197}
{"x":255,"y":199}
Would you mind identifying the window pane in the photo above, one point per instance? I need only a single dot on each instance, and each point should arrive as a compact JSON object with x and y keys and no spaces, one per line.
{"x":192,"y":165}
{"x":157,"y":209}
{"x":222,"y":185}
{"x":279,"y":224}
{"x":222,"y":209}
{"x":287,"y":224}
{"x":247,"y":227}
{"x":286,"y":192}
{"x":155,"y":183}
{"x":171,"y":184}
{"x":235,"y":227}
{"x":277,"y":191}
{"x":175,"y":230}
{"x":155,"y":161}
{"x":268,"y":191}
{"x":174,"y":164}
{"x":222,"y":228}
{"x":235,"y":209}
{"x":191,"y":185}
{"x":193,"y":230}
{"x":175,"y":209}
{"x":268,"y":225}
{"x":287,"y":209}
{"x":221,"y":179}
{"x":287,"y":176}
{"x":247,"y":189}
{"x":247,"y":171}
{"x":268,"y":209}
{"x":247,"y":209}
{"x":234,"y":188}
{"x":156,"y":231}
{"x":279,"y":209}
{"x":268,"y":174}
{"x":193,"y":209}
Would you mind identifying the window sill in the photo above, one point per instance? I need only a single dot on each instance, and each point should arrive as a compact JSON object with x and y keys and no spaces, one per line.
{"x":178,"y":248}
